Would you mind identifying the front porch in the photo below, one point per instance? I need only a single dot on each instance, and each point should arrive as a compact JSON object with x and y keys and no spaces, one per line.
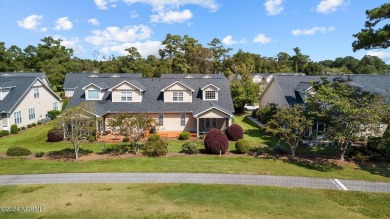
{"x":210,"y":119}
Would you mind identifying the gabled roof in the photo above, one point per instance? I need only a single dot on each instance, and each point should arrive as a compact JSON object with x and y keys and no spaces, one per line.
{"x":99,"y":84}
{"x":177,"y":82}
{"x":212,"y":85}
{"x":21,"y":86}
{"x":207,"y":106}
{"x":303,"y":86}
{"x":39,"y":75}
{"x":152,"y":97}
{"x":184,"y":76}
{"x":72,"y":80}
{"x":133,"y":83}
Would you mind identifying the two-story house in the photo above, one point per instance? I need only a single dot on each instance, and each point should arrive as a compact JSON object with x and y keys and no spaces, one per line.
{"x":25,"y":98}
{"x":182,"y":102}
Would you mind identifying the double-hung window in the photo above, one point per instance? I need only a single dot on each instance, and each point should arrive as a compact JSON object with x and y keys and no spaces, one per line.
{"x":18,"y":117}
{"x":36,"y":93}
{"x":126,"y":96}
{"x":183,"y":119}
{"x":93,"y":94}
{"x":177,"y":96}
{"x":160,"y":119}
{"x":31,"y":113}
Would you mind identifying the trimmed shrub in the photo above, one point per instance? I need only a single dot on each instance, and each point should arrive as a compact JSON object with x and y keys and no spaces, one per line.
{"x":1,"y":134}
{"x":53,"y":113}
{"x":14,"y":129}
{"x":191,"y":147}
{"x":29,"y":126}
{"x":18,"y":151}
{"x":23,"y":128}
{"x":68,"y":153}
{"x":91,"y":138}
{"x":55,"y":135}
{"x":184,"y":136}
{"x":254,"y":113}
{"x":265,"y":113}
{"x":4,"y":132}
{"x":155,"y":148}
{"x":242,"y":146}
{"x":39,"y":123}
{"x":64,"y":104}
{"x":116,"y":149}
{"x":39,"y":154}
{"x":126,"y":139}
{"x":154,"y":137}
{"x":235,"y":132}
{"x":201,"y":136}
{"x":34,"y":124}
{"x":216,"y":142}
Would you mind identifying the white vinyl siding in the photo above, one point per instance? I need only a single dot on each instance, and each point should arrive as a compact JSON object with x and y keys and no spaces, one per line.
{"x":55,"y":105}
{"x":31,"y":113}
{"x":18,"y":117}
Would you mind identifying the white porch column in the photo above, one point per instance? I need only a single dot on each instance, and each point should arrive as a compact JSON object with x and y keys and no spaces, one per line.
{"x":229,"y":122}
{"x":197,"y":127}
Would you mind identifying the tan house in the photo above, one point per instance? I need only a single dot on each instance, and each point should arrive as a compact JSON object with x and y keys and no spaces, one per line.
{"x":25,"y":100}
{"x":179,"y":102}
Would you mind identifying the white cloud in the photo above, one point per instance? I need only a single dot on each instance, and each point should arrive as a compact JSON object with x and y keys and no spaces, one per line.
{"x":43,"y":29}
{"x":63,"y":23}
{"x":262,"y":39}
{"x":115,"y":35}
{"x":171,"y":16}
{"x":93,"y":21}
{"x":327,"y":6}
{"x":380,"y":54}
{"x":134,"y":14}
{"x":158,"y":5}
{"x":104,"y":4}
{"x":229,"y":41}
{"x":144,"y":48}
{"x":312,"y":31}
{"x":72,"y":43}
{"x":30,"y":22}
{"x":273,"y":7}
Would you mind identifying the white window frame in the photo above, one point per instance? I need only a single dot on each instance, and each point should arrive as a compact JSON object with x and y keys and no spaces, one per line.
{"x":36,"y":93}
{"x":178,"y":96}
{"x":31,"y":113}
{"x":182,"y":119}
{"x":126,"y":96}
{"x":160,"y":119}
{"x":18,"y":117}
{"x":55,"y":105}
{"x":89,"y":95}
{"x":207,"y":97}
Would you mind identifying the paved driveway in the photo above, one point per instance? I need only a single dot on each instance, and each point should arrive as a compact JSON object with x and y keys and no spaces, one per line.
{"x":197,"y":178}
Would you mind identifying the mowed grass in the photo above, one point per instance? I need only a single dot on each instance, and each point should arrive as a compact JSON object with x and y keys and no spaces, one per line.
{"x":189,"y":201}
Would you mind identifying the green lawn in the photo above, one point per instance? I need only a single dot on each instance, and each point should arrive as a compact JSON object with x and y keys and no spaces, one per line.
{"x":189,"y":201}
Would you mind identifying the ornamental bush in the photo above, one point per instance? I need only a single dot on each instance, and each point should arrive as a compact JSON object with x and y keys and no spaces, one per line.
{"x":55,"y":135}
{"x":264,"y":114}
{"x":155,"y":148}
{"x":242,"y":146}
{"x":14,"y":129}
{"x":235,"y":132}
{"x":154,"y":137}
{"x":53,"y":113}
{"x":18,"y":151}
{"x":184,"y":136}
{"x":216,"y":142}
{"x":4,"y":133}
{"x":191,"y":147}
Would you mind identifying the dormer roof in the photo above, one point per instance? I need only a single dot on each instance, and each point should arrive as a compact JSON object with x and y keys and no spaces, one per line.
{"x":132,"y":83}
{"x":210,"y":85}
{"x":178,"y":82}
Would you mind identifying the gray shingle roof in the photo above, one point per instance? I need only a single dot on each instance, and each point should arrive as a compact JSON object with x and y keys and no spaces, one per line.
{"x":39,"y":75}
{"x":194,"y":76}
{"x":152,"y":99}
{"x":72,"y":80}
{"x":20,"y":86}
{"x":289,"y":84}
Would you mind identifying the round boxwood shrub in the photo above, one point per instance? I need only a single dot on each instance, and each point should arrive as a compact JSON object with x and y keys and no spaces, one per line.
{"x":191,"y":147}
{"x":29,"y":126}
{"x":18,"y":151}
{"x":235,"y":132}
{"x":216,"y":142}
{"x":155,"y":148}
{"x":4,"y":132}
{"x":242,"y":146}
{"x":126,"y":139}
{"x":184,"y":136}
{"x":14,"y":129}
{"x":55,"y":135}
{"x":154,"y":137}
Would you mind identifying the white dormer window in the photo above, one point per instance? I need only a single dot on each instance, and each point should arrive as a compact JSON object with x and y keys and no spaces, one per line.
{"x":210,"y":95}
{"x":177,"y":96}
{"x":126,"y":96}
{"x":93,"y":94}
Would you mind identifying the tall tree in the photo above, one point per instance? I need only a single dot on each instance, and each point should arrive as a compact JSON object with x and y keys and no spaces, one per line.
{"x":289,"y":124}
{"x":220,"y":54}
{"x":299,"y":60}
{"x":346,"y":110}
{"x":370,"y":38}
{"x":243,"y":91}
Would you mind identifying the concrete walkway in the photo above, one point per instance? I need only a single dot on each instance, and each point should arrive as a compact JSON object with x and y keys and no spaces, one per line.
{"x":255,"y":121}
{"x":197,"y":178}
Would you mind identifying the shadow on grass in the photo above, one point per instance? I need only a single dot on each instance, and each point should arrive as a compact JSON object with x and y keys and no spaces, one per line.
{"x":319,"y":164}
{"x":253,"y":130}
{"x":381,"y":169}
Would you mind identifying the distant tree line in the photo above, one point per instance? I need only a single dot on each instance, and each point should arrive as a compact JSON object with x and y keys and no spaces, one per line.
{"x":181,"y":54}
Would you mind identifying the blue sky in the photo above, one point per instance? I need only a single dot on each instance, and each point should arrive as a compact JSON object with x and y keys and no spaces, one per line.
{"x":322,"y":29}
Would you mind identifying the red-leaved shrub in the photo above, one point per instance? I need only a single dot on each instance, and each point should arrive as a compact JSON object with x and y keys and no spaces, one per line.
{"x":235,"y":132}
{"x":216,"y":142}
{"x":55,"y":135}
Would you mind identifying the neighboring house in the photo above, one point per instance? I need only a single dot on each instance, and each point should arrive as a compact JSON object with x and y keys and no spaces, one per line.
{"x":25,"y":100}
{"x":287,"y":90}
{"x":39,"y":75}
{"x":262,"y":77}
{"x":72,"y":80}
{"x":179,"y":102}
